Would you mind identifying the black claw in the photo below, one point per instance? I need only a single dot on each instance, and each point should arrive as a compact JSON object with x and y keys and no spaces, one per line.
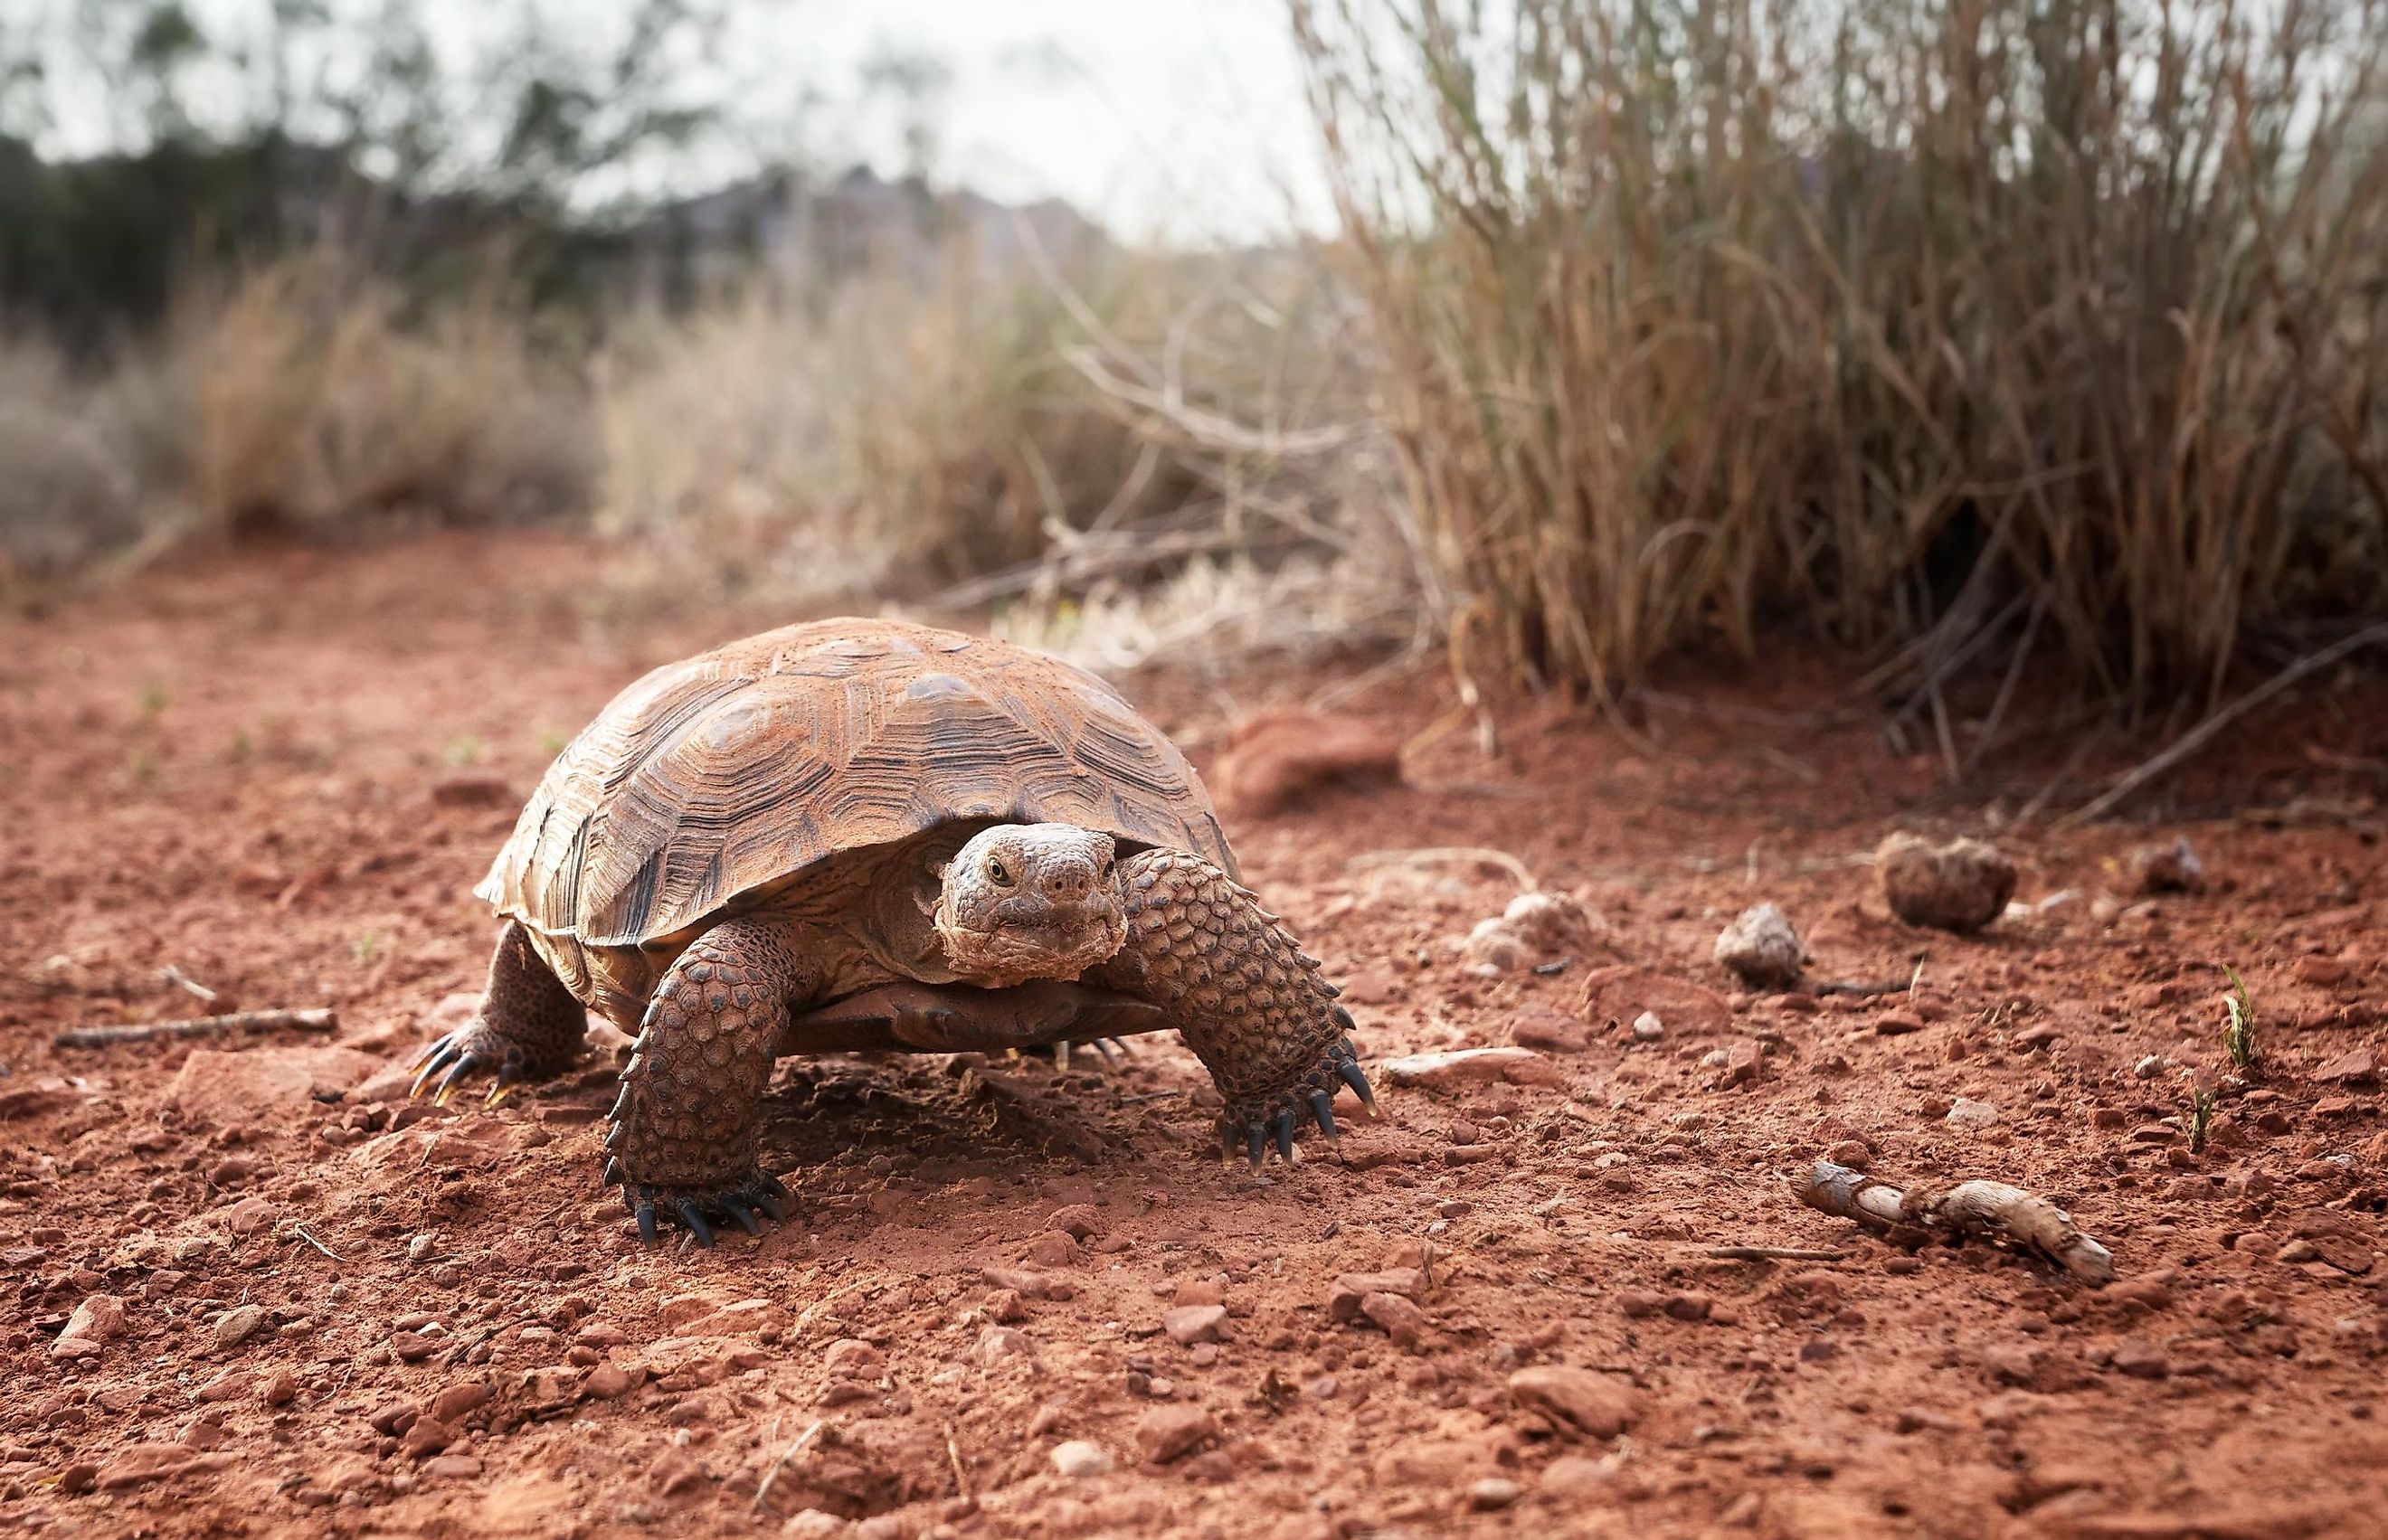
{"x":691,"y":1216}
{"x":1358,"y":1081}
{"x":612,"y":1172}
{"x":1343,"y":1018}
{"x":462,"y":1068}
{"x":1256,"y":1146}
{"x":772,"y":1206}
{"x":646,"y":1212}
{"x":1321,"y":1107}
{"x":434,"y":1059}
{"x":1285,"y":1135}
{"x":772,"y":1185}
{"x":742,"y":1215}
{"x":613,"y":1137}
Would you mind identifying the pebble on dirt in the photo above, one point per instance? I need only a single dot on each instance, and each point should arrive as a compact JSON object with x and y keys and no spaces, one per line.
{"x":1575,"y":1402}
{"x":1170,"y":1433}
{"x":1537,"y":928}
{"x":1276,"y":760}
{"x":2162,"y":868}
{"x":1961,"y":885}
{"x":1762,"y":949}
{"x":1080,"y":1457}
{"x":96,"y":1321}
{"x":1455,"y":1065}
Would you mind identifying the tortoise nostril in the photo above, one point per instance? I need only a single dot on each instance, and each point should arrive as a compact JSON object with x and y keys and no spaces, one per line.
{"x":1069,"y":883}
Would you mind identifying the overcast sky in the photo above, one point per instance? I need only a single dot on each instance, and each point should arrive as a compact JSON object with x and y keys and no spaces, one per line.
{"x":1180,"y":119}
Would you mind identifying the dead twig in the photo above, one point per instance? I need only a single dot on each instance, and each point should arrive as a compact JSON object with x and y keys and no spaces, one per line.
{"x":954,"y":1456}
{"x":300,"y":1232}
{"x":1866,"y":991}
{"x":763,"y":1488}
{"x":190,"y":984}
{"x":1991,"y":1210}
{"x":320,"y":1018}
{"x":1772,"y":1253}
{"x":1447,"y":855}
{"x":2197,"y":737}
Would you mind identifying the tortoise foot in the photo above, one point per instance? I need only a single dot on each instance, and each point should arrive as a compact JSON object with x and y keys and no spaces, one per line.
{"x":697,"y":1208}
{"x":1257,"y":1124}
{"x":473,"y":1048}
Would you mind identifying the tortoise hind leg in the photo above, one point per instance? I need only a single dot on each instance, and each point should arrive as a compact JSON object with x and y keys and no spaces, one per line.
{"x":528,"y":1028}
{"x":685,"y":1129}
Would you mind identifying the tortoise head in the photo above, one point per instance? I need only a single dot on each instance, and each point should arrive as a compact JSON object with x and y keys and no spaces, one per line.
{"x":1030,"y":900}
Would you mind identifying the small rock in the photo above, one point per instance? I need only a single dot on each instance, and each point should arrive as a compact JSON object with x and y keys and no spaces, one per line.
{"x":1575,"y":1401}
{"x":419,"y":1249}
{"x":605,"y":1381}
{"x":1170,"y":1433}
{"x":281,"y":1388}
{"x":1345,"y":1300}
{"x":230,"y":1385}
{"x":1493,"y":1492}
{"x":1762,"y":948}
{"x":2321,"y":972}
{"x":814,"y":1523}
{"x":1546,"y":1030}
{"x":99,"y":1320}
{"x":459,"y":1401}
{"x":249,"y":1215}
{"x":1277,"y":760}
{"x":1055,"y":1248}
{"x":2358,"y":1068}
{"x":393,"y":1419}
{"x":237,"y":1326}
{"x":1197,"y":1290}
{"x":452,"y":1466}
{"x":851,"y":1358}
{"x":1400,"y":1318}
{"x":1026,"y":1285}
{"x":1961,"y":885}
{"x":1454,"y":1066}
{"x":1080,"y":1457}
{"x":2141,"y":1361}
{"x":2173,"y":868}
{"x":1742,"y":1061}
{"x":1004,"y":1306}
{"x":1188,"y":1324}
{"x":1078,"y":1220}
{"x":1851,"y":1153}
{"x":1536,"y":928}
{"x":1001,"y":1343}
{"x":1966,"y":1113}
{"x":1647,"y":1027}
{"x":1894,"y":1024}
{"x":425,"y":1437}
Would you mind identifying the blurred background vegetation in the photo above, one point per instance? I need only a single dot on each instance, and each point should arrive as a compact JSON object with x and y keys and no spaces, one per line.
{"x":1965,"y":337}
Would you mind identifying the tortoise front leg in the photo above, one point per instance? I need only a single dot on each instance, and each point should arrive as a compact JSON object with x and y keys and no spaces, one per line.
{"x":528,"y":1028}
{"x":1248,"y":1000}
{"x":685,"y":1128}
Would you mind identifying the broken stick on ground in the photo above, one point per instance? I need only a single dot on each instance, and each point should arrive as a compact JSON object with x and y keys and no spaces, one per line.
{"x":1991,"y":1210}
{"x":320,"y":1019}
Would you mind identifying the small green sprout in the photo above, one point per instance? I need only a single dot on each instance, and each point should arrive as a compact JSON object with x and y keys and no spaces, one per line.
{"x":2200,"y":1114}
{"x":2238,"y":1034}
{"x":368,"y":947}
{"x":464,"y":752}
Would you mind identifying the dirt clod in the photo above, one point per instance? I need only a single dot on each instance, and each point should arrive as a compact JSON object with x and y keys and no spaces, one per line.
{"x":1575,"y":1402}
{"x":1762,"y":949}
{"x":1961,"y":885}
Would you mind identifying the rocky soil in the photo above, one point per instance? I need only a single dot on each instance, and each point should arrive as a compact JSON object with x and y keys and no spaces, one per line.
{"x":247,"y":1288}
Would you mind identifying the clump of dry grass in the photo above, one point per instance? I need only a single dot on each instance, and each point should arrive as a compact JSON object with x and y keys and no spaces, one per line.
{"x":1088,"y":446}
{"x":304,"y":399}
{"x":67,"y":493}
{"x":1946,"y":325}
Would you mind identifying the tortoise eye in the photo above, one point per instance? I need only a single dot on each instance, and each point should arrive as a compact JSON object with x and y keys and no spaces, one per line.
{"x":998,"y":872}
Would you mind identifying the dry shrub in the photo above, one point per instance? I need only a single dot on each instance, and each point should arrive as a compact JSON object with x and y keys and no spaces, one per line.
{"x":66,"y":494}
{"x":300,"y":401}
{"x":1949,"y":324}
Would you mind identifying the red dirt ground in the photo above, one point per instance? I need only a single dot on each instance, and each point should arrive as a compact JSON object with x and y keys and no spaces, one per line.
{"x":280,"y":776}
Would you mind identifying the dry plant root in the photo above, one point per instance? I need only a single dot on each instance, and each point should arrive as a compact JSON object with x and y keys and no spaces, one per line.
{"x":320,"y":1019}
{"x":1991,"y":1210}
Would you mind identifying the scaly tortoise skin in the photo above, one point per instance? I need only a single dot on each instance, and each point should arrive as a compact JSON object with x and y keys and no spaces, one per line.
{"x":863,"y":834}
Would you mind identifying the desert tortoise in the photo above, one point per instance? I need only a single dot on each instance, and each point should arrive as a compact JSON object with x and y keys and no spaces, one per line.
{"x":863,"y":834}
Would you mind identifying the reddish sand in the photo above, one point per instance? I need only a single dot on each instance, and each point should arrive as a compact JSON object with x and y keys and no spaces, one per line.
{"x":319,"y":1309}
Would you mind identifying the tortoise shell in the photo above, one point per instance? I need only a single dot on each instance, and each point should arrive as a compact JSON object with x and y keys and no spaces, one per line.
{"x":711,"y":778}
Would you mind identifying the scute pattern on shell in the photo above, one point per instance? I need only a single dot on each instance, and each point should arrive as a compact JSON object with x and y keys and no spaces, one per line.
{"x":713,"y":776}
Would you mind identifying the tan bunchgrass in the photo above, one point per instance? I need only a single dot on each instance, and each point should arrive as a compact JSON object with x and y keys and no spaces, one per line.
{"x":1926,"y":328}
